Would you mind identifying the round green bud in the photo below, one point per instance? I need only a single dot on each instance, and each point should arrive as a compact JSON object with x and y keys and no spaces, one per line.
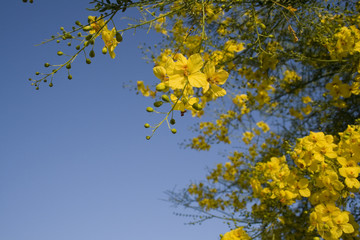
{"x":68,"y":66}
{"x":37,"y":73}
{"x":160,"y":87}
{"x":146,"y":125}
{"x":165,"y":98}
{"x":88,"y":37}
{"x":51,"y":84}
{"x":78,"y":23}
{"x":158,"y":103}
{"x":59,"y":53}
{"x":104,"y":50}
{"x":62,"y":28}
{"x":92,"y":53}
{"x":148,"y":137}
{"x":86,"y":43}
{"x":92,"y":41}
{"x":47,"y":65}
{"x":271,"y":36}
{"x":63,"y":38}
{"x":31,"y":1}
{"x":118,"y":37}
{"x":69,"y":77}
{"x":45,"y":80}
{"x":68,"y":36}
{"x":58,"y":41}
{"x":79,"y":34}
{"x":197,"y":106}
{"x":172,"y":121}
{"x":77,"y":47}
{"x":30,"y":79}
{"x":149,"y":109}
{"x":24,"y":1}
{"x":37,"y":88}
{"x":69,"y":44}
{"x":88,"y":61}
{"x":173,"y":130}
{"x":262,"y":26}
{"x":87,"y":28}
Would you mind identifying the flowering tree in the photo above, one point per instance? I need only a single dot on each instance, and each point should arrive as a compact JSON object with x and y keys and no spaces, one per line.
{"x":287,"y":74}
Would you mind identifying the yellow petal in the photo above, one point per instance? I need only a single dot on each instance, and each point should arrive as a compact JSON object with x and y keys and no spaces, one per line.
{"x":177,"y":81}
{"x":198,"y":80}
{"x":195,"y":63}
{"x":217,"y":91}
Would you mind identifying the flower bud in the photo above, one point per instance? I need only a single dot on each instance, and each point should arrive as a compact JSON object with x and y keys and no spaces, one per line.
{"x":88,"y":37}
{"x":165,"y":98}
{"x":92,"y":53}
{"x":173,"y":130}
{"x":147,"y":125}
{"x":69,"y":77}
{"x":158,"y":103}
{"x":172,"y":121}
{"x":59,"y":53}
{"x":88,"y":61}
{"x":149,"y":109}
{"x":68,"y":66}
{"x":47,"y":65}
{"x":148,"y":137}
{"x":77,"y":47}
{"x":51,"y":84}
{"x":118,"y":37}
{"x":197,"y":106}
{"x":104,"y":50}
{"x":160,"y":87}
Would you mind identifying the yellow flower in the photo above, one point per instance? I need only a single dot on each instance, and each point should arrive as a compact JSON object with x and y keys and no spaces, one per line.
{"x":215,"y":78}
{"x":109,"y":40}
{"x":236,"y":234}
{"x":184,"y":103}
{"x":188,"y":71}
{"x":97,"y":25}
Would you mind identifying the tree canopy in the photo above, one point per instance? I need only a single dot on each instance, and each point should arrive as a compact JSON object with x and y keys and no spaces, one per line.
{"x":285,"y":74}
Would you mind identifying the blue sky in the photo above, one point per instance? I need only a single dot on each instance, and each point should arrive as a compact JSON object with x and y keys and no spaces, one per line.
{"x":74,"y":162}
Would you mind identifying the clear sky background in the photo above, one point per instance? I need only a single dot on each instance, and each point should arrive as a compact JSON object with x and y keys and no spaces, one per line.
{"x":74,"y":162}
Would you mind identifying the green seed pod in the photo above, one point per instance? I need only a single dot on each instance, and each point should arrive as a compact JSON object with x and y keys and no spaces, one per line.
{"x":47,"y":65}
{"x":87,"y":28}
{"x":59,"y":53}
{"x":77,"y":47}
{"x":104,"y":50}
{"x":165,"y":98}
{"x":88,"y":37}
{"x":147,"y":125}
{"x":158,"y":103}
{"x":197,"y":106}
{"x":69,"y":77}
{"x":68,"y":66}
{"x":149,"y":109}
{"x":88,"y":61}
{"x":148,"y":137}
{"x":92,"y":53}
{"x":160,"y":87}
{"x":51,"y":84}
{"x":118,"y":37}
{"x":172,"y":121}
{"x":173,"y":130}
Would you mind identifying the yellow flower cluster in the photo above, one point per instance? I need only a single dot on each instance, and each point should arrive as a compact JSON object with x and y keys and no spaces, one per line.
{"x":99,"y":27}
{"x":182,"y":75}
